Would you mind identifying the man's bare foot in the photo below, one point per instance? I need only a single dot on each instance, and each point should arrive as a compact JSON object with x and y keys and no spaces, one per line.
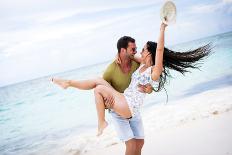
{"x":101,"y":127}
{"x":62,"y":83}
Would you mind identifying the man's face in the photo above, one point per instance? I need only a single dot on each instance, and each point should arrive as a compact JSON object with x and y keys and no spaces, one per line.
{"x":131,"y":49}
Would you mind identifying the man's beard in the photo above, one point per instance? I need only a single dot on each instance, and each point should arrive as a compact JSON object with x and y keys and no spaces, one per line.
{"x":131,"y":56}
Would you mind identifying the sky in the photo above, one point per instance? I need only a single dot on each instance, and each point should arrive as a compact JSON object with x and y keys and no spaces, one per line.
{"x":43,"y":37}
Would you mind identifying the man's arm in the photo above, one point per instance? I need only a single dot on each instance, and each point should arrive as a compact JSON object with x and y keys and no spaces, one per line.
{"x":137,"y":59}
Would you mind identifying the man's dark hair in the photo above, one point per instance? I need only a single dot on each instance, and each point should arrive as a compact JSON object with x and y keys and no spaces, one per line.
{"x":123,"y":42}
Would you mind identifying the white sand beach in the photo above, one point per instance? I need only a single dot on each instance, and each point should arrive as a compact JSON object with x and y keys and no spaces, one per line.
{"x":197,"y":125}
{"x":211,"y":136}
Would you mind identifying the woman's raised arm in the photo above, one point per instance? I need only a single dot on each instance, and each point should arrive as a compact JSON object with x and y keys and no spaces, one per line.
{"x":157,"y":70}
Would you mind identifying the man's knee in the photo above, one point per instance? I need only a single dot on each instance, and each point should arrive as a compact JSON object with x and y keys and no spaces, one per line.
{"x":139,"y":144}
{"x":131,"y":145}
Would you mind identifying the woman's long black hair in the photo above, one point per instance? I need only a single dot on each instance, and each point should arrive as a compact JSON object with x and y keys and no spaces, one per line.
{"x":178,"y":61}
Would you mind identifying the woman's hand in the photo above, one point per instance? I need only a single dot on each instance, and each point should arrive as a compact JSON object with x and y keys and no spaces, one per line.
{"x":163,"y":26}
{"x":117,"y":59}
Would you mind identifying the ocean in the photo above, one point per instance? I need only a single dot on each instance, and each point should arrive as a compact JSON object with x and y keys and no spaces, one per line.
{"x":36,"y":116}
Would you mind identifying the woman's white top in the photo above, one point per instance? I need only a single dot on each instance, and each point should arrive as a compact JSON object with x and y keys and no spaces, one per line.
{"x":133,"y":96}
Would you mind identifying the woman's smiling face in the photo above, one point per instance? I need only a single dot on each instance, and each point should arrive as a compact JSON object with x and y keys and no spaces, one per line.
{"x":144,"y":52}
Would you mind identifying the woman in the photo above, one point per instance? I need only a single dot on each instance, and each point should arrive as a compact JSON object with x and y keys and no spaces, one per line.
{"x":155,"y":59}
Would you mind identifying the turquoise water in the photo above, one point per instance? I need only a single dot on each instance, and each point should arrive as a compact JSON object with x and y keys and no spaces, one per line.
{"x":35,"y":115}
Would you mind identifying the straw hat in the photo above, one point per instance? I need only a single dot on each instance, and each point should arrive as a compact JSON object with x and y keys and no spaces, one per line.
{"x":168,"y":13}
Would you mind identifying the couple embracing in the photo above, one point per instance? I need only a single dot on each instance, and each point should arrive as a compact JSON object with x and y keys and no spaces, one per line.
{"x":128,"y":79}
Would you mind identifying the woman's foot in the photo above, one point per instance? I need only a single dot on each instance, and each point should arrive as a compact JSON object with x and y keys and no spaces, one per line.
{"x":62,"y":83}
{"x":101,"y":127}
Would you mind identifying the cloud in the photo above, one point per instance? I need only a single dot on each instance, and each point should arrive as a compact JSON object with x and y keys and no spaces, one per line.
{"x":211,"y":8}
{"x":227,"y":1}
{"x":60,"y":9}
{"x":206,"y":8}
{"x":230,"y":10}
{"x":63,"y":36}
{"x":24,"y":41}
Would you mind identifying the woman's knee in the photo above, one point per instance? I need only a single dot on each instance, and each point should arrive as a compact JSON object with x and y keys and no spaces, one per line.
{"x":101,"y":81}
{"x":98,"y":89}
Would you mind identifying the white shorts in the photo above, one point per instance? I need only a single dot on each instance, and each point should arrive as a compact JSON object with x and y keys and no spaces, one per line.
{"x":128,"y":128}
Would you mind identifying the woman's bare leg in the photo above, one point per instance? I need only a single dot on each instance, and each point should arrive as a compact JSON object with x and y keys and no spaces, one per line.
{"x":120,"y":106}
{"x":102,"y":124}
{"x":102,"y":90}
{"x":81,"y":84}
{"x":89,"y":84}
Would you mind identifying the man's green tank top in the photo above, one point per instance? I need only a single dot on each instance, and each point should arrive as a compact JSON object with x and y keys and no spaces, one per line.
{"x":117,"y":79}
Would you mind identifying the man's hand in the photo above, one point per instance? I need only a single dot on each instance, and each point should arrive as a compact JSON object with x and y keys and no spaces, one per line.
{"x":145,"y":88}
{"x":109,"y":102}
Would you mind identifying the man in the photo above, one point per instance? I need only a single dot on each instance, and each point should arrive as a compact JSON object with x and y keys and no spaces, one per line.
{"x":119,"y":76}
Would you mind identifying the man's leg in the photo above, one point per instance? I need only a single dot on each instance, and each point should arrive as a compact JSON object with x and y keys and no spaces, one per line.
{"x":130,"y":147}
{"x":124,"y":132}
{"x":139,"y":146}
{"x":136,"y":125}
